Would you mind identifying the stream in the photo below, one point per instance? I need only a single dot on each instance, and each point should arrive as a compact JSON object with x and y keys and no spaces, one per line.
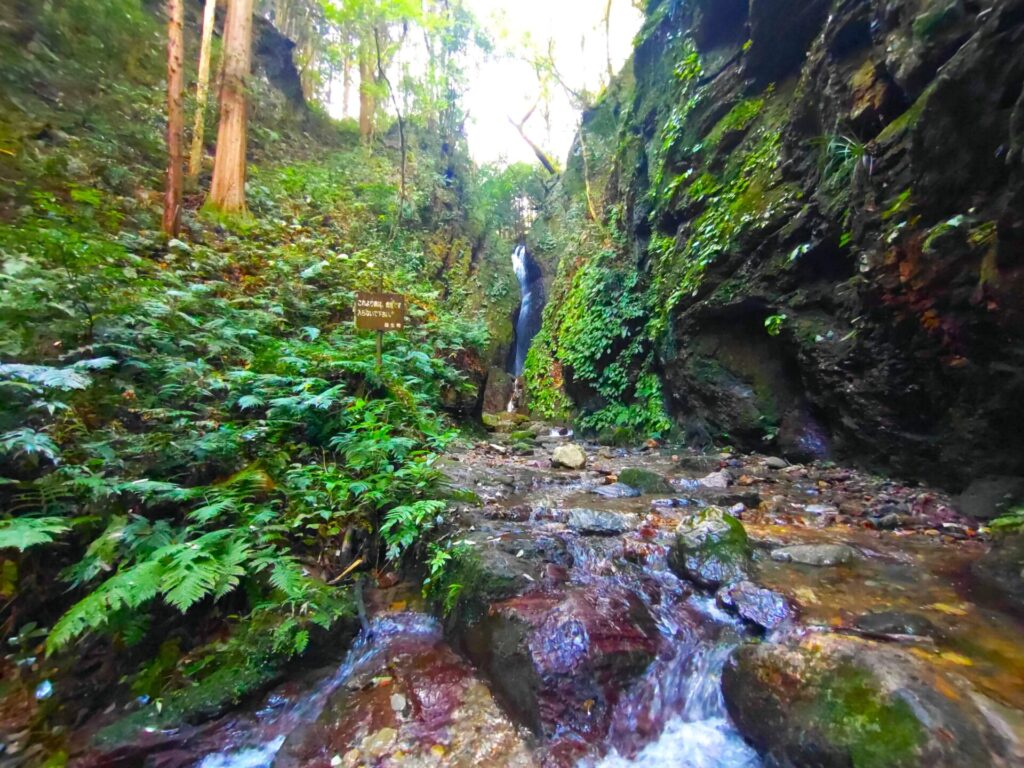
{"x":578,"y":642}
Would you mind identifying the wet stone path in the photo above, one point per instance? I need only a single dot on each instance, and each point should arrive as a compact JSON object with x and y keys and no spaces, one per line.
{"x":664,"y":608}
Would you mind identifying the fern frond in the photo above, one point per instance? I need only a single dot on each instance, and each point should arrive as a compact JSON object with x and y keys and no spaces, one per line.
{"x":23,"y":532}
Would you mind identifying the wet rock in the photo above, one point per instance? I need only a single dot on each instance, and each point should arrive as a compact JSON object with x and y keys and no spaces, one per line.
{"x":998,"y":575}
{"x":889,"y":522}
{"x":616,"y":491}
{"x":821,"y":510}
{"x":409,"y":698}
{"x":570,"y":456}
{"x":835,"y":702}
{"x":716,"y":480}
{"x":991,"y":497}
{"x":560,"y":658}
{"x":699,"y":462}
{"x":755,"y":605}
{"x":711,"y":549}
{"x":601,"y":523}
{"x":645,"y":480}
{"x":774,"y":462}
{"x":821,"y":555}
{"x":801,"y":438}
{"x":895,"y":623}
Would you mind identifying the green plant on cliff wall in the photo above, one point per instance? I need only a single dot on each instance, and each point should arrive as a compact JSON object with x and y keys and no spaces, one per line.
{"x":541,"y":374}
{"x":597,"y":327}
{"x":740,"y":200}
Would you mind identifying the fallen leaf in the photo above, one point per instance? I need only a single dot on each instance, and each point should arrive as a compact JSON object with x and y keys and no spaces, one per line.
{"x":951,"y":610}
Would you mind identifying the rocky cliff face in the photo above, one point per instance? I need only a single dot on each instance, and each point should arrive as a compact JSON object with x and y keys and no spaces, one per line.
{"x":823,"y":204}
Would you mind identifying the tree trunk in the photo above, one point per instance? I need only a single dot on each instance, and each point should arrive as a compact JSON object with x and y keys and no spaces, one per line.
{"x":195,"y":159}
{"x":367,"y":101}
{"x":346,"y":82}
{"x":175,"y":116}
{"x":227,"y":193}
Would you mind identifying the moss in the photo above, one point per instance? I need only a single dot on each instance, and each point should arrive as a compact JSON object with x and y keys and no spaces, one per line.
{"x":221,"y":690}
{"x":739,"y":118}
{"x":522,"y":436}
{"x":645,"y":480}
{"x":931,"y":23}
{"x":617,"y":436}
{"x":908,"y":119}
{"x":715,"y":532}
{"x":879,"y":731}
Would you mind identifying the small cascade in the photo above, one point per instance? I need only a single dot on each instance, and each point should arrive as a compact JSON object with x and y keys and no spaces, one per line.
{"x":257,"y":746}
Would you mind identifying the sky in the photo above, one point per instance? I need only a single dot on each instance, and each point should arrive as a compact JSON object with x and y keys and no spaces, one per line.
{"x":507,"y":86}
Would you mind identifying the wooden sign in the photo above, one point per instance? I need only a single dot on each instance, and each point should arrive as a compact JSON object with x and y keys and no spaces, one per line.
{"x":380,"y":311}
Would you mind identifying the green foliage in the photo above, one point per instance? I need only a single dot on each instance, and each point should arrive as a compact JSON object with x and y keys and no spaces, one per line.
{"x":739,"y":118}
{"x":773,"y":324}
{"x":23,"y":532}
{"x":1011,"y":521}
{"x":690,"y":66}
{"x":839,"y":158}
{"x":597,"y":326}
{"x":740,"y":200}
{"x":196,"y":425}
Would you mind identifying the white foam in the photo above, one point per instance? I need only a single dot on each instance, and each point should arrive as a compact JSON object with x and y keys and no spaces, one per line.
{"x":702,"y":744}
{"x":251,"y":757}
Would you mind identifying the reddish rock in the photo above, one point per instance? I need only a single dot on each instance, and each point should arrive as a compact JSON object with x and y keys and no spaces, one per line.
{"x":561,"y":659}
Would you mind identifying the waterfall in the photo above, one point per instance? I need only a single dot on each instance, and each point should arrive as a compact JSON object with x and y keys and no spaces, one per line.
{"x":531,"y":290}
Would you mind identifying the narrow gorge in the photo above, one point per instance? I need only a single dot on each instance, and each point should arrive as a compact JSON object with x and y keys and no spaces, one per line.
{"x":565,"y":385}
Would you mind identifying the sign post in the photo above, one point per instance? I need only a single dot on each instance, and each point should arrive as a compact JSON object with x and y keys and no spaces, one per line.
{"x":380,"y":312}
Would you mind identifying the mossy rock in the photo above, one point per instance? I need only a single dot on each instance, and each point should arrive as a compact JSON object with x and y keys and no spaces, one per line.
{"x":644,"y":480}
{"x":711,"y":549}
{"x":840,"y":702}
{"x":210,"y":698}
{"x":498,"y":422}
{"x":619,"y":437}
{"x":522,"y":436}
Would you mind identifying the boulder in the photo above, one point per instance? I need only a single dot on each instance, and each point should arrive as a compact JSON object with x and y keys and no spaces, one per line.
{"x":601,"y":523}
{"x":559,"y":659}
{"x":404,"y":698}
{"x":895,"y":623}
{"x":498,"y":390}
{"x":760,"y":607}
{"x":998,"y":575}
{"x":645,"y":480}
{"x":616,"y":491}
{"x":835,"y":702}
{"x":821,"y":555}
{"x":716,"y":480}
{"x":990,"y":497}
{"x":569,"y":456}
{"x":711,"y":549}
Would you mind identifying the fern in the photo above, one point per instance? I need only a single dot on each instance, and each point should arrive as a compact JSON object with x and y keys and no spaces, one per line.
{"x":404,"y":525}
{"x":23,"y":532}
{"x":46,"y":376}
{"x":28,"y":442}
{"x":130,"y":588}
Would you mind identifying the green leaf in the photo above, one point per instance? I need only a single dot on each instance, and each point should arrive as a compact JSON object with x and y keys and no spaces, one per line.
{"x":23,"y":532}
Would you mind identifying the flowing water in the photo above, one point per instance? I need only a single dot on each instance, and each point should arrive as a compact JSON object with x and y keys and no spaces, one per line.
{"x":409,"y":693}
{"x":530,"y":308}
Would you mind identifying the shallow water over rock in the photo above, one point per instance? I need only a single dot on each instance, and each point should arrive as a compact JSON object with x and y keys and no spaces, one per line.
{"x":576,"y":643}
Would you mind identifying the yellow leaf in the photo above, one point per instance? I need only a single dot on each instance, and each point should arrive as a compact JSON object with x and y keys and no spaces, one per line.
{"x":956,"y":658}
{"x":952,"y":610}
{"x":805,"y":595}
